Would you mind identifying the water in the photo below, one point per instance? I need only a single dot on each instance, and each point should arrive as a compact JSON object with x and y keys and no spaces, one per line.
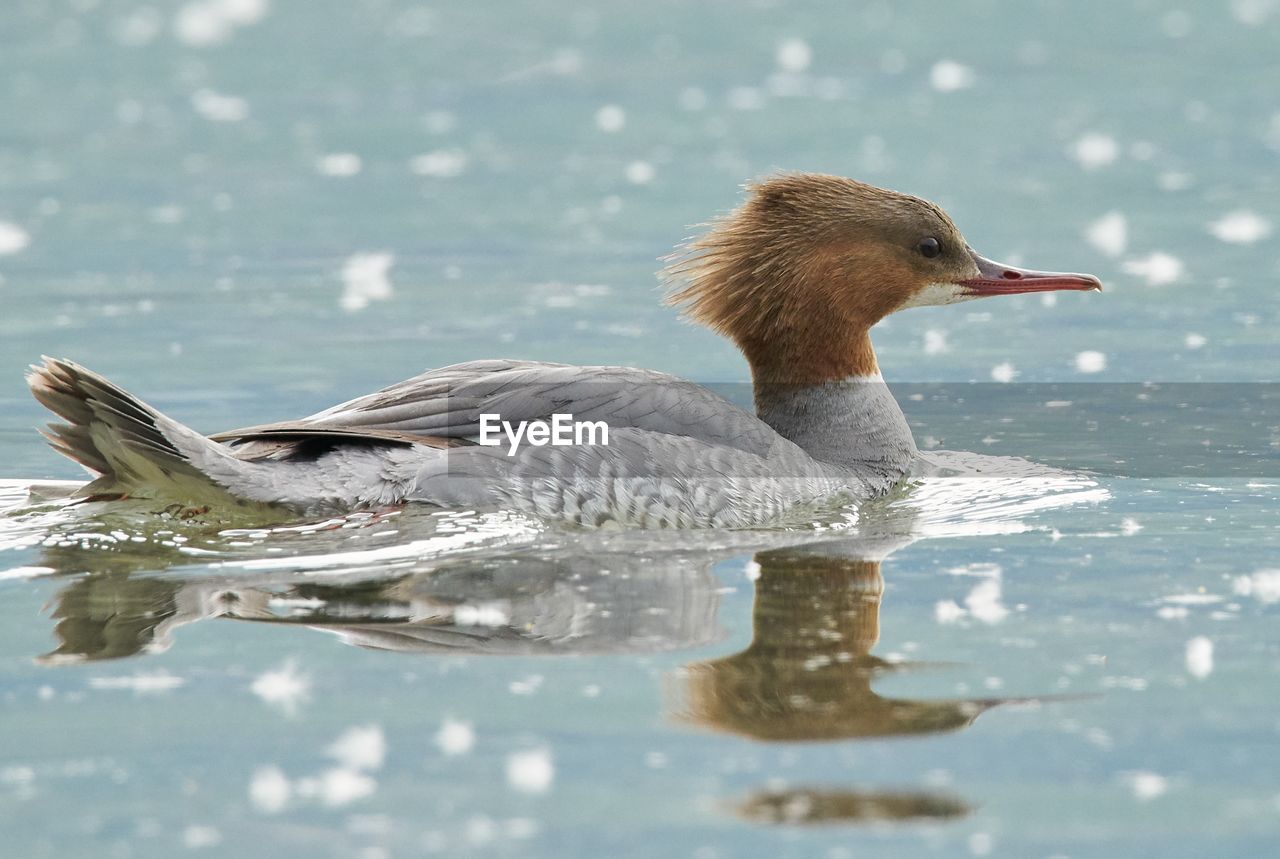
{"x":247,"y":210}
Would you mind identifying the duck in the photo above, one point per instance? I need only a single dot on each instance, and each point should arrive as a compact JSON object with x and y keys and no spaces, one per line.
{"x":795,"y":276}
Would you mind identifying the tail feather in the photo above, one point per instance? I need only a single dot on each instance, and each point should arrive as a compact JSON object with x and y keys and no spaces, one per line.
{"x":135,"y":450}
{"x":109,"y":431}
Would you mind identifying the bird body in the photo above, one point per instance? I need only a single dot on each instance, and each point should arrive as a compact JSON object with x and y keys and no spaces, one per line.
{"x":795,"y":277}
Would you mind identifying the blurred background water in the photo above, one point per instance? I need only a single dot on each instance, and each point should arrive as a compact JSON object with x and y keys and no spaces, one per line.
{"x":248,"y":210}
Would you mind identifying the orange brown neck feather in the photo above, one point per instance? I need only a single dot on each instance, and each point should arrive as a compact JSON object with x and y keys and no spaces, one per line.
{"x":800,"y":312}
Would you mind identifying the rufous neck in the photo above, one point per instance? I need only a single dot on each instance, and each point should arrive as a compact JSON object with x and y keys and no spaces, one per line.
{"x":810,"y":356}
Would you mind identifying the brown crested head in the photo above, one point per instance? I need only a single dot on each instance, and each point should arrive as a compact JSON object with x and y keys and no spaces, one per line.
{"x":799,"y":272}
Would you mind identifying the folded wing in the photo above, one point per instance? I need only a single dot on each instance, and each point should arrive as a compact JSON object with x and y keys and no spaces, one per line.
{"x":443,"y":408}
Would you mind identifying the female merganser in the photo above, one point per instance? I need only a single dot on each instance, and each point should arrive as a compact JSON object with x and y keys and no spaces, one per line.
{"x":796,"y":277}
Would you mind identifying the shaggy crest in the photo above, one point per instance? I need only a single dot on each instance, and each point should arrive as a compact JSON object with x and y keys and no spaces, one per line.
{"x":786,"y":275}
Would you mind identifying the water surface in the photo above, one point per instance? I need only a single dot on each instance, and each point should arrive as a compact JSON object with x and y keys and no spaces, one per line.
{"x":247,"y":211}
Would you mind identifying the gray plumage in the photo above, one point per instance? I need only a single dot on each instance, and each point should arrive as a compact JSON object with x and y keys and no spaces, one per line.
{"x":677,"y":456}
{"x":796,"y":277}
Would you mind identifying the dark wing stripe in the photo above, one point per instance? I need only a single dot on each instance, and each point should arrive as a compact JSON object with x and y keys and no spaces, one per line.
{"x":309,"y":432}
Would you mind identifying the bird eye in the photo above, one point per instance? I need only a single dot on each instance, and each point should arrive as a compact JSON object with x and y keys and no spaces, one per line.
{"x":929,"y":247}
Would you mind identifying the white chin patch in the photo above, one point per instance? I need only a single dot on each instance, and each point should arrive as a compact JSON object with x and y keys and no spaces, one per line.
{"x":934,"y":294}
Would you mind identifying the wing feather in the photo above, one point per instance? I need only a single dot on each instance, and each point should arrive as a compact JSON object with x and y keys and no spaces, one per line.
{"x":443,"y":407}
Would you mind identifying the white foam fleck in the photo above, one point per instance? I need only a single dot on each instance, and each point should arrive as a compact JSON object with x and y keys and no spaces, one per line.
{"x":979,"y":570}
{"x":142,"y":683}
{"x":1199,"y":657}
{"x":1176,"y":24}
{"x":526,"y":686}
{"x":171,"y":214}
{"x":139,"y":27}
{"x":1194,"y":341}
{"x":1264,"y":586}
{"x":1094,"y":150}
{"x":365,"y":279}
{"x":218,"y":107}
{"x":339,"y":164}
{"x":1241,"y":227}
{"x":269,"y":790}
{"x":793,"y":55}
{"x":1272,"y":134}
{"x":1147,"y":786}
{"x":285,"y":688}
{"x":1157,"y":268}
{"x":481,"y":830}
{"x":626,"y":330}
{"x":790,"y":85}
{"x":13,"y":238}
{"x":130,"y":111}
{"x":640,"y":172}
{"x":440,"y":164}
{"x":566,"y":61}
{"x":746,"y":98}
{"x":1174,"y":180}
{"x":17,"y":775}
{"x":1130,"y":526}
{"x":339,"y":786}
{"x":205,"y":23}
{"x":362,"y":747}
{"x":1091,"y":361}
{"x":1109,"y":234}
{"x":1003,"y":372}
{"x":439,"y":121}
{"x":1253,"y":13}
{"x":1192,"y":599}
{"x":935,"y":342}
{"x":531,"y":771}
{"x":196,"y":837}
{"x":981,"y":843}
{"x":455,"y":737}
{"x":201,"y":25}
{"x":875,"y":158}
{"x":242,"y":13}
{"x":415,"y":22}
{"x":947,"y":611}
{"x":984,"y":602}
{"x":693,"y":98}
{"x":611,"y":118}
{"x":949,"y":76}
{"x":521,"y":828}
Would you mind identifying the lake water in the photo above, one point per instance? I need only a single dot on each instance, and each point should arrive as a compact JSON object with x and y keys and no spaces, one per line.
{"x":247,"y":210}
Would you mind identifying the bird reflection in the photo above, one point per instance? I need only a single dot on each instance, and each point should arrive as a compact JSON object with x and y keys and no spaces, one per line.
{"x":819,"y":805}
{"x":807,"y":675}
{"x":808,"y":672}
{"x":511,"y":605}
{"x":116,"y":614}
{"x":518,"y":604}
